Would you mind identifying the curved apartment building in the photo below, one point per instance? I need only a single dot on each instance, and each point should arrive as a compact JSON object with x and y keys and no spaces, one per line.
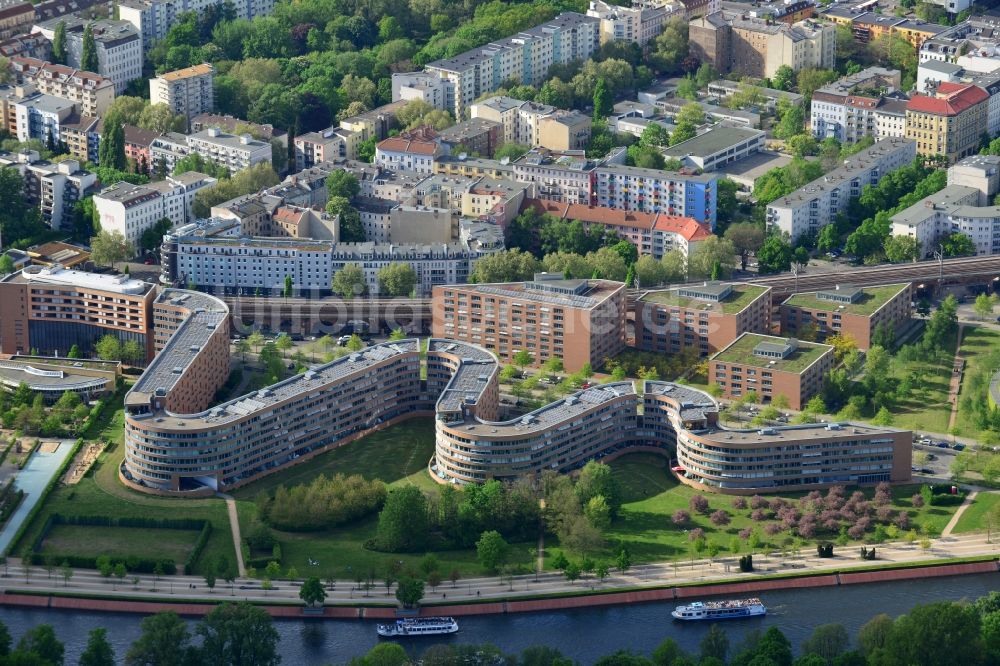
{"x":177,"y":443}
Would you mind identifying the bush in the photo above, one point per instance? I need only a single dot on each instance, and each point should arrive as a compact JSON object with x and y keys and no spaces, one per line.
{"x":825,"y":549}
{"x":746,"y":563}
{"x":323,"y":503}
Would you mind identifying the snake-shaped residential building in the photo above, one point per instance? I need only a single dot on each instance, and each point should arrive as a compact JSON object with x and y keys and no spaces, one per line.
{"x":177,"y":443}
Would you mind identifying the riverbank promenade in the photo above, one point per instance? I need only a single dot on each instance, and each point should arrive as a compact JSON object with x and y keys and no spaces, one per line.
{"x":16,"y":579}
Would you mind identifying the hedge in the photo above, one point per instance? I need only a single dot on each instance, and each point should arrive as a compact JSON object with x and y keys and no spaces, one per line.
{"x":30,"y":518}
{"x":134,"y":564}
{"x":199,"y":546}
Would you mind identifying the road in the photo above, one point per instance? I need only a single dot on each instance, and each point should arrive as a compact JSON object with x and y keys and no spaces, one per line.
{"x":177,"y":588}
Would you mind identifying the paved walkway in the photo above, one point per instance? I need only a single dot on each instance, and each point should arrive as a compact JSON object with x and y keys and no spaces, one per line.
{"x":234,"y":525}
{"x":969,"y":499}
{"x":955,"y":385}
{"x":90,"y":582}
{"x":32,"y":480}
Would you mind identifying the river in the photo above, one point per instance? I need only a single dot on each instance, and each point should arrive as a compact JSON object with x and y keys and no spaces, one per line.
{"x":583,"y":634}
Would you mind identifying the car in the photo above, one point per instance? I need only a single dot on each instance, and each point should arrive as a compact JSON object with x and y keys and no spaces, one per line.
{"x":941,"y":445}
{"x":586,"y":385}
{"x":959,"y":447}
{"x":148,"y":261}
{"x":926,"y":470}
{"x":914,"y":468}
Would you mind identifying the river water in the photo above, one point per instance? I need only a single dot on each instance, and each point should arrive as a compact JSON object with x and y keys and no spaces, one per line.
{"x":583,"y":634}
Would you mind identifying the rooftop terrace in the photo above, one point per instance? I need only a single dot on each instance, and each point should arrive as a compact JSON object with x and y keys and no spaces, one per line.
{"x":740,"y":296}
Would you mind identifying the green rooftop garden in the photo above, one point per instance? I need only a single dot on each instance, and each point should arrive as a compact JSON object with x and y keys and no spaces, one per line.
{"x":872,"y":299}
{"x":741,"y":351}
{"x":741,"y":296}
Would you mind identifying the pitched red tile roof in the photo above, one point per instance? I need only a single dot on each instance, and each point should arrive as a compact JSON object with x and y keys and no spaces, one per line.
{"x":398,"y":144}
{"x":687,"y":227}
{"x":950,"y":99}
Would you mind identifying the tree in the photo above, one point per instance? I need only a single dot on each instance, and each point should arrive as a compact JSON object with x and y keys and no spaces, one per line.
{"x":936,"y":633}
{"x":505,"y":266}
{"x":6,"y":265}
{"x":775,"y":255}
{"x":402,"y":523}
{"x":288,"y":288}
{"x":88,"y":52}
{"x":900,"y":248}
{"x":238,"y":634}
{"x":712,"y":251}
{"x":342,"y":183}
{"x":791,"y":122}
{"x":624,"y":560}
{"x":409,"y":591}
{"x":152,"y":237}
{"x":746,"y":238}
{"x":670,"y":47}
{"x":108,"y":348}
{"x":312,"y":592}
{"x":41,"y":641}
{"x":98,"y":651}
{"x":351,"y":229}
{"x":59,"y":44}
{"x":715,"y":644}
{"x":874,"y":634}
{"x":958,"y":245}
{"x":491,"y":549}
{"x":132,"y":352}
{"x":397,"y":279}
{"x":349,"y":281}
{"x":784,"y":78}
{"x":602,"y":100}
{"x":110,"y":247}
{"x":111,"y":151}
{"x":827,"y":641}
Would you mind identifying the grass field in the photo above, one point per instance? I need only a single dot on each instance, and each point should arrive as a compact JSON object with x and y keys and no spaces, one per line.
{"x":397,"y":455}
{"x":978,"y":346}
{"x":120,"y":542}
{"x":651,"y":495}
{"x":974,"y":517}
{"x":927,"y":406}
{"x":100,"y":493}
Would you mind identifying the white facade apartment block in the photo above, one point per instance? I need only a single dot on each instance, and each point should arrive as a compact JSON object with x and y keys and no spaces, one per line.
{"x":525,"y":57}
{"x":427,"y":87}
{"x":846,"y":109}
{"x":41,"y":116}
{"x":187,"y":92}
{"x":118,"y":43}
{"x":235,"y":152}
{"x":154,"y":18}
{"x":633,"y":24}
{"x":128,"y":209}
{"x":131,"y":209}
{"x":815,"y":205}
{"x":890,"y":120}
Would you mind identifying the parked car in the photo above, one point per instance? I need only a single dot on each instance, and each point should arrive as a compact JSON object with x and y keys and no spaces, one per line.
{"x":959,"y":447}
{"x":942,"y":445}
{"x":926,"y":470}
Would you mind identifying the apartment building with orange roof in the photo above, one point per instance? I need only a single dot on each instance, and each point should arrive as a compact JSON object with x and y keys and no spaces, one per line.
{"x":950,"y":121}
{"x":410,"y":151}
{"x":93,"y":92}
{"x":653,"y":234}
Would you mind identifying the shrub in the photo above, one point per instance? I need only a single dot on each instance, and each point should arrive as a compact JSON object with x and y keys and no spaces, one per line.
{"x":758,"y":502}
{"x":746,"y":563}
{"x":698,"y":504}
{"x":681,"y":517}
{"x":740,"y":503}
{"x":824,"y":550}
{"x":323,"y":503}
{"x":719,"y":518}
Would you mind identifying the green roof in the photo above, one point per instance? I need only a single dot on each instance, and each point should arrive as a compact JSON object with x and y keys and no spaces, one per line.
{"x":741,"y":296}
{"x":872,"y":300}
{"x":741,"y":352}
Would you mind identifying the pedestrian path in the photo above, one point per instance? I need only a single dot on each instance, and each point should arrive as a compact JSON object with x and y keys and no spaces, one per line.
{"x":33,"y":480}
{"x":234,"y":525}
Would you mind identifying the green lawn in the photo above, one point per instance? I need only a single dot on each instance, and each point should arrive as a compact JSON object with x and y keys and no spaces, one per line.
{"x":100,"y":493}
{"x":872,"y":299}
{"x":120,"y":542}
{"x":979,"y":347}
{"x":742,"y":351}
{"x":974,"y":517}
{"x":396,"y":455}
{"x":651,"y":495}
{"x":927,"y":406}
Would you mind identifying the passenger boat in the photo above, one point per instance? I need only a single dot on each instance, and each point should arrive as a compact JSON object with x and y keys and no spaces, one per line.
{"x":418,"y":626}
{"x":720,"y":610}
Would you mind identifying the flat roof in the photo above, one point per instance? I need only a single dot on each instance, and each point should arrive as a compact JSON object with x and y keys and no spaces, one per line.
{"x":56,"y":274}
{"x":739,"y":298}
{"x":740,"y":351}
{"x":713,"y":141}
{"x":872,"y":299}
{"x":597,"y":292}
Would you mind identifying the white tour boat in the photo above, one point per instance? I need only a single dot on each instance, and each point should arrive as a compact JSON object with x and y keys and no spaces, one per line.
{"x":418,"y":626}
{"x":720,"y":610}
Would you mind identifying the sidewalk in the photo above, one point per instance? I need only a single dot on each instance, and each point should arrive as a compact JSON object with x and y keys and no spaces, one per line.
{"x":192,"y":588}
